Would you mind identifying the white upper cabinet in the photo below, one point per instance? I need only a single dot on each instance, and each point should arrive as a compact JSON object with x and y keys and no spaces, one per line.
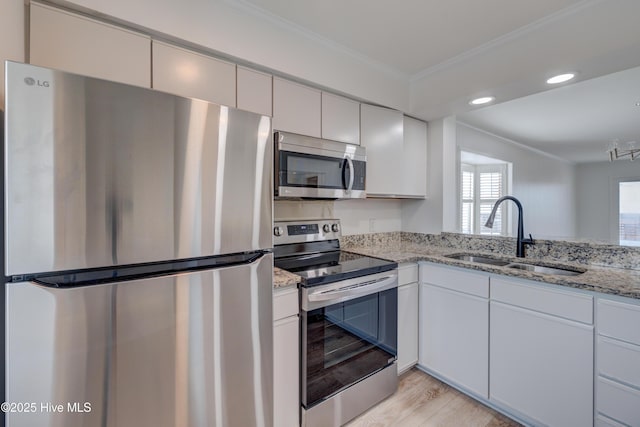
{"x":255,"y":91}
{"x":296,"y":108}
{"x":73,"y":43}
{"x":191,"y":74}
{"x":414,"y":154}
{"x":396,"y":153}
{"x":340,"y":119}
{"x":381,"y":132}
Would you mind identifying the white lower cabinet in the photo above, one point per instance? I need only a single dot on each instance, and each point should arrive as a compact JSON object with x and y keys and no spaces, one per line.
{"x":407,"y":316}
{"x":541,"y":358}
{"x":286,"y":358}
{"x":525,"y":347}
{"x":618,"y":363}
{"x":541,"y":366}
{"x":454,"y":328}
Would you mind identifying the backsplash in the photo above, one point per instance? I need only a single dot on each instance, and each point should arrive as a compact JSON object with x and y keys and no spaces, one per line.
{"x":377,"y":216}
{"x":596,"y":254}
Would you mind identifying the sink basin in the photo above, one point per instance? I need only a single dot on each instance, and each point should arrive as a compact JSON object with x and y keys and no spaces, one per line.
{"x":479,"y":259}
{"x":545,"y":270}
{"x":559,"y":271}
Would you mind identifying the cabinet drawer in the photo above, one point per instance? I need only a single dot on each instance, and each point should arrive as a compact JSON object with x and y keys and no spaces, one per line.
{"x":619,"y":402}
{"x":407,"y":273}
{"x":285,"y":303}
{"x":457,"y":280}
{"x":535,"y":297}
{"x":619,"y":320}
{"x":619,"y":360}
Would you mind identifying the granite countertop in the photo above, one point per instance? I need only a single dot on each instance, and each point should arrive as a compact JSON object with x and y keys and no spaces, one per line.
{"x":608,"y":280}
{"x":282,"y":278}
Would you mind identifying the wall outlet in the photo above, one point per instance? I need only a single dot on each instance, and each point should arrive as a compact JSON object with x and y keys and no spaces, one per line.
{"x":372,"y":225}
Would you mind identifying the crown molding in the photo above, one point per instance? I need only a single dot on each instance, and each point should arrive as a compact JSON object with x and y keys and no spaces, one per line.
{"x":516,"y":143}
{"x":286,"y":25}
{"x":505,"y":38}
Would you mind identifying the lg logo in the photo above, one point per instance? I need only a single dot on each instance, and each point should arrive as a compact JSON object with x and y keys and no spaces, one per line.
{"x":31,"y":82}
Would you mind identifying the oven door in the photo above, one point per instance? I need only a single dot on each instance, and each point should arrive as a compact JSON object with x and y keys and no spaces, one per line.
{"x":326,"y":169}
{"x":346,"y":341}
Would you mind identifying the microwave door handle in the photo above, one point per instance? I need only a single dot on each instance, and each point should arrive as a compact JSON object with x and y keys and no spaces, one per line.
{"x":352,"y":173}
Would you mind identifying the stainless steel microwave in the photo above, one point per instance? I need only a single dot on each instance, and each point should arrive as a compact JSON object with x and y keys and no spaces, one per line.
{"x":307,"y":167}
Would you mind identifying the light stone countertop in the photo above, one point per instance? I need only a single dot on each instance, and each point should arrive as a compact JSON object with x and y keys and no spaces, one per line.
{"x":608,"y":280}
{"x":282,"y":278}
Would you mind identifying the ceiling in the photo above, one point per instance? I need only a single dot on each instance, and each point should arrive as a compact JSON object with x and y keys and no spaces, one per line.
{"x":407,"y":35}
{"x":453,"y":50}
{"x":576,"y":122}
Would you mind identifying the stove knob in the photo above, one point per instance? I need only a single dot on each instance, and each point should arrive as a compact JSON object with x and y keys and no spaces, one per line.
{"x":326,"y":228}
{"x":335,"y":228}
{"x":277,"y":231}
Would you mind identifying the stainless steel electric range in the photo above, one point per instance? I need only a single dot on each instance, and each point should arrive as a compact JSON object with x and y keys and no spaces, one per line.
{"x":348,"y":312}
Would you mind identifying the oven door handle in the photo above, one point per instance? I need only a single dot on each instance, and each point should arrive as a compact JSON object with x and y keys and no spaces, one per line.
{"x":354,"y":291}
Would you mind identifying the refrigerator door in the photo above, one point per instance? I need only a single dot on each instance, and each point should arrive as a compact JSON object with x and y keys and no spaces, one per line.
{"x":100,"y":174}
{"x":192,"y":349}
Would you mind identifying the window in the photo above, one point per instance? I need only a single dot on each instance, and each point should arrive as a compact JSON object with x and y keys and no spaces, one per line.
{"x":481,"y":185}
{"x":629,"y":213}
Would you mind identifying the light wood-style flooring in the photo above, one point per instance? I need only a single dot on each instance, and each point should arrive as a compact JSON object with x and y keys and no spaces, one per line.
{"x":422,"y":400}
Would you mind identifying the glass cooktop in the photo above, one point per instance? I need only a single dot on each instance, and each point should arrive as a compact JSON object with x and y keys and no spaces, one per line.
{"x":327,"y":267}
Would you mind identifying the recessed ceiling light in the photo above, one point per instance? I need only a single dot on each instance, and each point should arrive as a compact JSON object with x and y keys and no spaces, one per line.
{"x":482,"y":100}
{"x":560,"y":78}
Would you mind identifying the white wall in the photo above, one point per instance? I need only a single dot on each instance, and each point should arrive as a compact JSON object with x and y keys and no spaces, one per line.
{"x":437,"y":212}
{"x":12,"y":38}
{"x":595,"y":196}
{"x":235,"y":29}
{"x":544,"y":185}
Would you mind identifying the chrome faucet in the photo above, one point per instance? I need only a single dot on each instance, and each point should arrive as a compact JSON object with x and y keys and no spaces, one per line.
{"x":521,"y":242}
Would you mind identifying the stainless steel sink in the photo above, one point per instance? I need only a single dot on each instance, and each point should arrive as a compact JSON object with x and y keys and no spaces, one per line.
{"x":479,"y":259}
{"x":545,"y":270}
{"x":559,"y":271}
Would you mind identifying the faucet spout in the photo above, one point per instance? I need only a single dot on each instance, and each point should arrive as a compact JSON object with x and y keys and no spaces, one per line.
{"x":521,"y":241}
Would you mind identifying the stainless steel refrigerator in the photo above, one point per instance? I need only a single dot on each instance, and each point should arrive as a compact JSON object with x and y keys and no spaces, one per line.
{"x":137,"y":256}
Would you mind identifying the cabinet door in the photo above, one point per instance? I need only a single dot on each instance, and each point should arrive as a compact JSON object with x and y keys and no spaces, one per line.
{"x":340,"y":119}
{"x":541,"y":366}
{"x":407,"y":326}
{"x":73,"y":43}
{"x":454,"y":337}
{"x":191,"y":74}
{"x":414,"y":154}
{"x":255,"y":90}
{"x":286,"y":372}
{"x":381,"y":133}
{"x":296,"y":108}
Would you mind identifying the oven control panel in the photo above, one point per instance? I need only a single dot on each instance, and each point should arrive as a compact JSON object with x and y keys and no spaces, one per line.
{"x":305,"y":231}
